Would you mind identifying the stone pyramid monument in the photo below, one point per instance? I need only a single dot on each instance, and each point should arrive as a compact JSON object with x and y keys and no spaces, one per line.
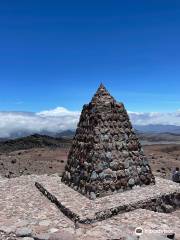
{"x":106,"y":156}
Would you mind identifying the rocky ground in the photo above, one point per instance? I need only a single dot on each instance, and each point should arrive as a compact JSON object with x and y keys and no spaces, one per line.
{"x":33,"y":161}
{"x":26,"y":214}
{"x":163,"y":158}
{"x":25,"y":211}
{"x":47,"y":160}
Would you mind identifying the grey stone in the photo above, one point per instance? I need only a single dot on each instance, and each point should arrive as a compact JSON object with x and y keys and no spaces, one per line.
{"x":120,"y":173}
{"x":92,"y":195}
{"x":126,"y":136}
{"x":108,"y":171}
{"x":108,"y":155}
{"x":114,"y":165}
{"x":131,"y":182}
{"x":106,"y":137}
{"x":167,"y":208}
{"x":125,"y":154}
{"x":102,"y":175}
{"x":114,"y":174}
{"x":143,"y":169}
{"x":94,"y":175}
{"x":145,"y":162}
{"x":136,"y":187}
{"x":101,"y":166}
{"x":23,"y":232}
{"x":127,"y":172}
{"x":126,"y":164}
{"x":138,"y":170}
{"x":147,"y":167}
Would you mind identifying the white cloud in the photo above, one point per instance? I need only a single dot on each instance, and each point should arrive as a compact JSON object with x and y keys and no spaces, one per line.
{"x":140,"y":118}
{"x":60,"y":118}
{"x":54,"y":120}
{"x":58,"y":112}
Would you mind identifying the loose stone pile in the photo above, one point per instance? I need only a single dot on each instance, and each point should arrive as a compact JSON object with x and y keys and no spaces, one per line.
{"x":106,"y":156}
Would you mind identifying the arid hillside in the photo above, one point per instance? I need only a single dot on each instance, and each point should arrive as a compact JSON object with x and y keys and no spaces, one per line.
{"x":163,"y":158}
{"x":38,"y":154}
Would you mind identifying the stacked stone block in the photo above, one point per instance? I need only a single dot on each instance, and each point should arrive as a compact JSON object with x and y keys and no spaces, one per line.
{"x":106,"y":156}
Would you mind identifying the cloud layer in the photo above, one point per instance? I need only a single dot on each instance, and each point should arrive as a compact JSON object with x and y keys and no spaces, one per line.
{"x":54,"y":120}
{"x":59,"y":119}
{"x":140,"y":118}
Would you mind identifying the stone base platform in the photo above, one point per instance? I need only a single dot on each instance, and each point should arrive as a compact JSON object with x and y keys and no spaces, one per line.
{"x":25,"y":214}
{"x":164,"y":196}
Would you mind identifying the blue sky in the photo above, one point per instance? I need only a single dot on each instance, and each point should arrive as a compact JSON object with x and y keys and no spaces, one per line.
{"x":56,"y":53}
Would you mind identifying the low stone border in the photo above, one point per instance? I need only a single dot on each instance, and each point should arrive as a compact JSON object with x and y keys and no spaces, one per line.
{"x":74,"y":217}
{"x":166,"y":204}
{"x":161,"y":203}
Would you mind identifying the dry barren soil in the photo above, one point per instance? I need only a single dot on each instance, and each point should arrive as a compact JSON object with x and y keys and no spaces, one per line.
{"x":163,"y":158}
{"x":49,"y":159}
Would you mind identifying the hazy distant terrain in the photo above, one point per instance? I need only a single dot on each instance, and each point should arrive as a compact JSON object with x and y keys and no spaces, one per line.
{"x":159,"y":138}
{"x":158,"y":128}
{"x":41,"y":154}
{"x":69,"y":133}
{"x":64,"y":139}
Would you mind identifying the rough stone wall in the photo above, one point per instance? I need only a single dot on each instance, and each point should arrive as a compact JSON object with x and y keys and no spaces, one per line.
{"x":106,"y":156}
{"x":166,"y":203}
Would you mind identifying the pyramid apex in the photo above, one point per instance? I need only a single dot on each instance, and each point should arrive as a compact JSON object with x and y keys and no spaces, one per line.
{"x":102,"y":94}
{"x":101,"y":87}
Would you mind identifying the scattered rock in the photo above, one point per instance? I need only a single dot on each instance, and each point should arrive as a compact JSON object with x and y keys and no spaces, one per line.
{"x":23,"y":232}
{"x":92,"y":195}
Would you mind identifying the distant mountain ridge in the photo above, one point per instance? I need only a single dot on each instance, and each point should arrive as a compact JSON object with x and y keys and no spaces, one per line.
{"x":41,"y":141}
{"x":66,"y":134}
{"x":158,"y":128}
{"x":69,"y":133}
{"x":150,"y":138}
{"x":33,"y":141}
